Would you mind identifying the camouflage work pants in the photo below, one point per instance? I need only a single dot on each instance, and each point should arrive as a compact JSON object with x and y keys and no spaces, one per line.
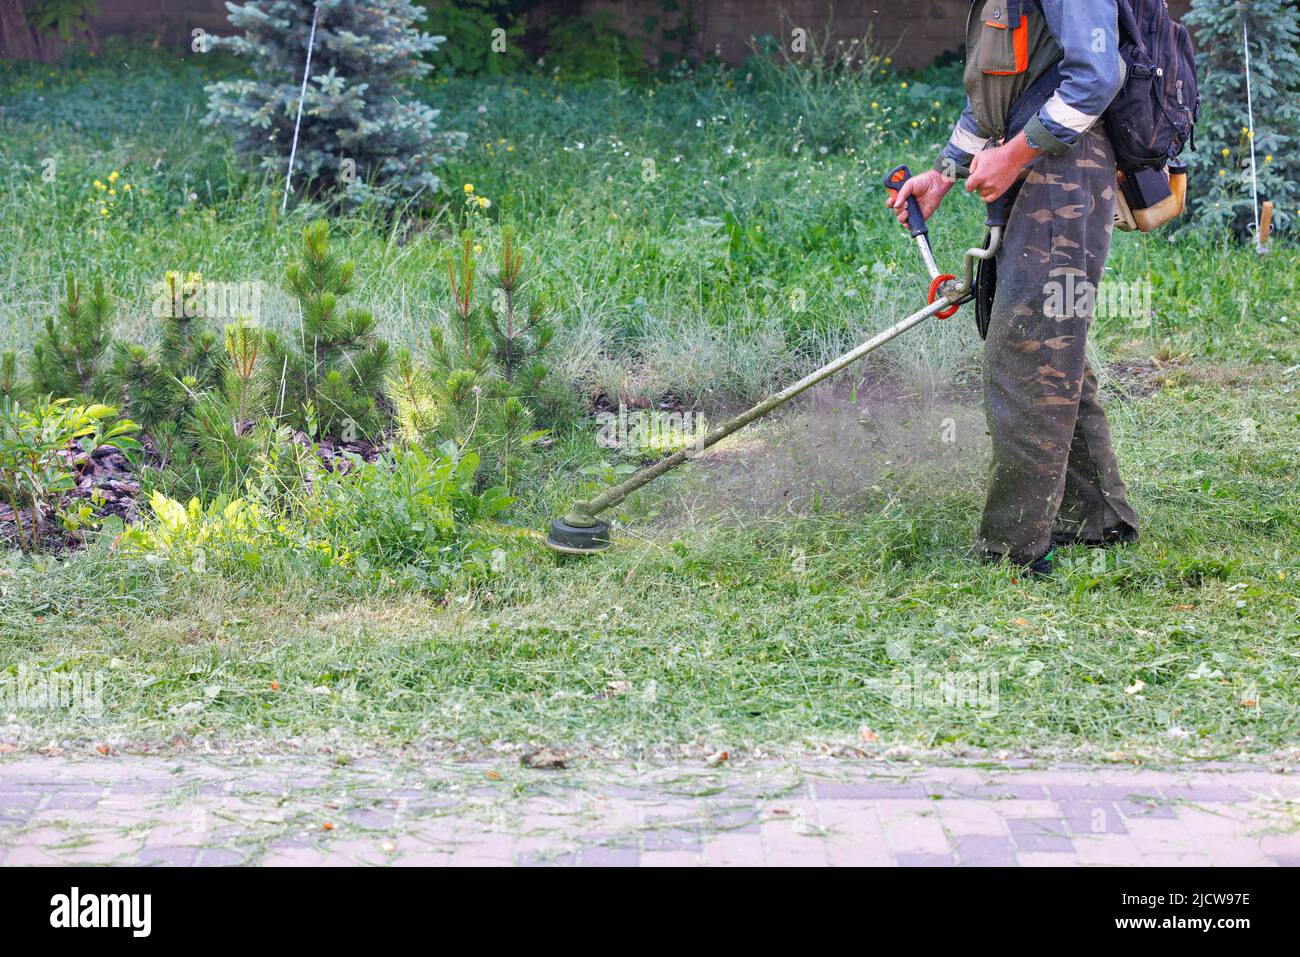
{"x":1053,"y":465}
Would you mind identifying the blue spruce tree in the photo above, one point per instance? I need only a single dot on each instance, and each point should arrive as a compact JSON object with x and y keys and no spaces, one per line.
{"x":363,"y":136}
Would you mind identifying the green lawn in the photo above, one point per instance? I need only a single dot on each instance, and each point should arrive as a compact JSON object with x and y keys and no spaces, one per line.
{"x":778,"y":594}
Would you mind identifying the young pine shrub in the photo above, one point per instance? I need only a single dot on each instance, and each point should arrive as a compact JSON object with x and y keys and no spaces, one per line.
{"x":10,"y":385}
{"x":222,"y":436}
{"x":243,"y":342}
{"x":335,"y":364}
{"x":68,"y":357}
{"x":464,"y":344}
{"x":189,"y":348}
{"x":411,"y":388}
{"x":139,"y":382}
{"x":160,"y":385}
{"x":485,"y":383}
{"x":517,"y":325}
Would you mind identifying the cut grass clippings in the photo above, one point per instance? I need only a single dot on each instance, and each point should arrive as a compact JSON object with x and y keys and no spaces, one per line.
{"x":718,"y":623}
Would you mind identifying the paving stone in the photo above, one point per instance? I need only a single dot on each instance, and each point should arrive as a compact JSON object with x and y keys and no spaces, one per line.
{"x":548,"y":859}
{"x":783,"y":846}
{"x":1040,"y":835}
{"x":610,"y":857}
{"x":210,"y":812}
{"x":1112,"y":850}
{"x":1031,"y":859}
{"x":924,"y":860}
{"x":978,"y":851}
{"x":869,"y":790}
{"x":669,"y":859}
{"x":914,"y":832}
{"x":219,"y":857}
{"x":1204,"y":793}
{"x":671,"y":839}
{"x":1146,"y":810}
{"x":168,"y":856}
{"x":73,"y":800}
{"x":1092,"y":817}
{"x":975,"y":818}
{"x":859,"y":851}
{"x":734,"y":850}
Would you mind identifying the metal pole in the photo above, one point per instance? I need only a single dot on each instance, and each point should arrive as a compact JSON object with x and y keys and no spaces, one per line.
{"x":583,"y":514}
{"x":302,"y":96}
{"x":1250,"y":118}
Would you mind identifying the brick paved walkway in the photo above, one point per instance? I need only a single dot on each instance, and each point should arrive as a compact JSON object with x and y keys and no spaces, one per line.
{"x":160,"y":811}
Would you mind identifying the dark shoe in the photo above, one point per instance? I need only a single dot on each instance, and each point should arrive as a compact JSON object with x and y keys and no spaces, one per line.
{"x":1038,"y":568}
{"x":1111,"y":537}
{"x":1041,"y":567}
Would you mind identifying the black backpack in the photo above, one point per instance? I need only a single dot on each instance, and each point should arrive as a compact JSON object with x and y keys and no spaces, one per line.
{"x":1151,"y":118}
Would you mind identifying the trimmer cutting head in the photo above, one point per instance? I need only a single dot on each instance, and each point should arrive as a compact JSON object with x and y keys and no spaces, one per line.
{"x":578,"y":539}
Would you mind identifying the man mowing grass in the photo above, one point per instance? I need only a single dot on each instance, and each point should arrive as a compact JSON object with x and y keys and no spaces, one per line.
{"x":1054,"y":477}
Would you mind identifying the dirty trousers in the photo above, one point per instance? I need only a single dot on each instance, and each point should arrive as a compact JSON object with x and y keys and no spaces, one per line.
{"x":1053,"y":465}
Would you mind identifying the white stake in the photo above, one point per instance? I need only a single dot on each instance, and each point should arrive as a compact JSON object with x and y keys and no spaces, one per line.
{"x":1250,"y":119}
{"x":302,"y":96}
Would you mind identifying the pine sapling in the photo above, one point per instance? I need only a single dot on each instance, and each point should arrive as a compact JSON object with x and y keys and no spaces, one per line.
{"x":139,"y":382}
{"x":243,"y":342}
{"x":335,"y":363}
{"x":412,"y":390}
{"x":68,"y":358}
{"x":10,"y":387}
{"x":464,"y":345}
{"x":517,"y":326}
{"x":188,"y":347}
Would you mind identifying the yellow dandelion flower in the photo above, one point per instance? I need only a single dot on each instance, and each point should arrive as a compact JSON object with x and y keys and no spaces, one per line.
{"x":1226,"y":151}
{"x":914,"y":123}
{"x":903,"y":84}
{"x":469,"y":188}
{"x":113,"y":176}
{"x":1268,"y":157}
{"x":103,"y":212}
{"x":875,"y":105}
{"x":126,"y":187}
{"x":889,"y":60}
{"x":99,"y":185}
{"x":112,"y":192}
{"x":1223,"y":172}
{"x":477,"y":249}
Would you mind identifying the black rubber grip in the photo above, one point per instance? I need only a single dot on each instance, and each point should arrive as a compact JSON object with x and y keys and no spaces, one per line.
{"x":894,"y":179}
{"x":996,"y":212}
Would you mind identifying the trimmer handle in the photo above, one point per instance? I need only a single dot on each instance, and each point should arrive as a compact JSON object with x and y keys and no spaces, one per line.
{"x":894,"y":180}
{"x":996,"y":212}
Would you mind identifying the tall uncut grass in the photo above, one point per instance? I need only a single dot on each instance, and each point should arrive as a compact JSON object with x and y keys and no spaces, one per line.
{"x":735,"y":209}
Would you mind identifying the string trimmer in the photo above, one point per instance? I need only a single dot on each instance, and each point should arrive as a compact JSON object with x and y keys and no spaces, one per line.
{"x":580,"y":532}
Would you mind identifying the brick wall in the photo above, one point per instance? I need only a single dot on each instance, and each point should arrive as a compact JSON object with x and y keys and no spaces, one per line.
{"x":913,"y":32}
{"x":174,"y":19}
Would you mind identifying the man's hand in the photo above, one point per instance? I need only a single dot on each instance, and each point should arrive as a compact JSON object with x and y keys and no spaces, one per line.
{"x":993,"y":171}
{"x":929,"y":188}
